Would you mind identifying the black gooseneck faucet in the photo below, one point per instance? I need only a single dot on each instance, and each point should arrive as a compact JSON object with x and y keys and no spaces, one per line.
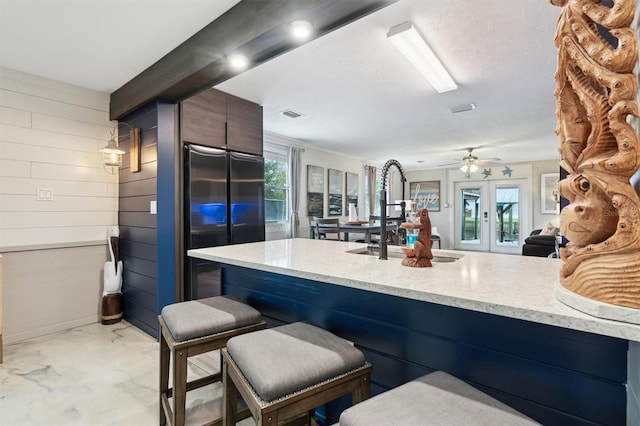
{"x":383,"y":204}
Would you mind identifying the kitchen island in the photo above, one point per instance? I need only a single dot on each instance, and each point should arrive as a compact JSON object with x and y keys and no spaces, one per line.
{"x":489,"y":319}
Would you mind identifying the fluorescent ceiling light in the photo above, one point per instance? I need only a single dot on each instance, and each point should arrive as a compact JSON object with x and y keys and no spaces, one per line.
{"x":415,"y":49}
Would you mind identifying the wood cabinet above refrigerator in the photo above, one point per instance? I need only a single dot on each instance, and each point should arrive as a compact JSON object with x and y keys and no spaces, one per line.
{"x":214,"y":118}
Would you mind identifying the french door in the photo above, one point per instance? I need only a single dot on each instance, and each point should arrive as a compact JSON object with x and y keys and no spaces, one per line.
{"x":489,"y":215}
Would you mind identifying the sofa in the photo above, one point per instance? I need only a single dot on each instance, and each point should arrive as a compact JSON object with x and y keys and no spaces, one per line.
{"x":541,"y":242}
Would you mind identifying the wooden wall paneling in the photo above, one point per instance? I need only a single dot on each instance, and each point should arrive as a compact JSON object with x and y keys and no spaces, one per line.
{"x":15,"y":117}
{"x":138,"y":235}
{"x":30,"y":136}
{"x":138,"y":188}
{"x":41,"y":154}
{"x":140,"y":250}
{"x":41,"y":87}
{"x":139,"y":219}
{"x":138,"y":228}
{"x":15,"y":168}
{"x":144,"y":267}
{"x":244,"y":126}
{"x":22,"y":203}
{"x":22,"y":186}
{"x":136,"y":204}
{"x":203,"y":117}
{"x":50,"y":110}
{"x":50,"y":136}
{"x":144,"y":284}
{"x":554,"y":375}
{"x":53,"y":219}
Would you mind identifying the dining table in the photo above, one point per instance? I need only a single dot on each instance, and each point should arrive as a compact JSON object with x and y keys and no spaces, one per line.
{"x":366,"y":228}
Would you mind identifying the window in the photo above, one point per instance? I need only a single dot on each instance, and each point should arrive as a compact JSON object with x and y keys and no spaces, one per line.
{"x":276,"y":185}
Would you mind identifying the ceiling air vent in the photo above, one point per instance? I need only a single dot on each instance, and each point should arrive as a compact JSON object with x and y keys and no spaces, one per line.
{"x":462,"y":107}
{"x":291,"y":114}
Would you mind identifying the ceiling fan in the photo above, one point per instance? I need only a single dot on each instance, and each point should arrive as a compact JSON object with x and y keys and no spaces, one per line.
{"x":470,"y":163}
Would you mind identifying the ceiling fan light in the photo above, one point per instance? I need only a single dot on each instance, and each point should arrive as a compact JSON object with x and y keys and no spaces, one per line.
{"x":473,"y":168}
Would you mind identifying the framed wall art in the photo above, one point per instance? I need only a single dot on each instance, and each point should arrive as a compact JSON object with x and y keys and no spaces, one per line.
{"x":426,"y":194}
{"x":315,"y":191}
{"x":335,"y":192}
{"x":352,"y":188}
{"x":549,"y":196}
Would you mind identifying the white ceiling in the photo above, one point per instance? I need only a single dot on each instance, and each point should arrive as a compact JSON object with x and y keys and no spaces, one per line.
{"x":359,"y":96}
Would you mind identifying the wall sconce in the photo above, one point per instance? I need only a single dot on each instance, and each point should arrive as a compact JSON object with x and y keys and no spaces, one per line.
{"x":112,"y":154}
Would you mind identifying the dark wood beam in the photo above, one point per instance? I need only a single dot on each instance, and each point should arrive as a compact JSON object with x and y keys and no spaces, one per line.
{"x":256,"y":28}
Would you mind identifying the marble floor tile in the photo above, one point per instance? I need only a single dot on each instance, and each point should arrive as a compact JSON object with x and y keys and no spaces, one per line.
{"x":94,"y":375}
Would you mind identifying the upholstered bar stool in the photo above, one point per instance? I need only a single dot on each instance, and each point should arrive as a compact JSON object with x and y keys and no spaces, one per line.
{"x":284,"y":372}
{"x":192,"y":328}
{"x":437,"y":398}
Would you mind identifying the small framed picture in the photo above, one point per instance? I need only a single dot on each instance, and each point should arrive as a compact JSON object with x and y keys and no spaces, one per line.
{"x":549,"y":196}
{"x":427,"y":194}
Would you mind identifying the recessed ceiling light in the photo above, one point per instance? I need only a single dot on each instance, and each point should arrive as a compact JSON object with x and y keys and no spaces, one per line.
{"x":301,"y":30}
{"x":420,"y":161}
{"x":238,"y":61}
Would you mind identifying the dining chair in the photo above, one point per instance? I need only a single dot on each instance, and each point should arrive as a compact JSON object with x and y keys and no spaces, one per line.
{"x":328,"y":225}
{"x":313,"y":230}
{"x":392,"y":229}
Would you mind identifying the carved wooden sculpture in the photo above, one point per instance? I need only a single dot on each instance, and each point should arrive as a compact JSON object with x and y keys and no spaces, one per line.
{"x":420,"y":255}
{"x":595,"y":92}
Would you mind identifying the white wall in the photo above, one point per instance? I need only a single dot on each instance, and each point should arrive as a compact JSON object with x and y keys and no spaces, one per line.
{"x":444,"y":219}
{"x":50,"y":134}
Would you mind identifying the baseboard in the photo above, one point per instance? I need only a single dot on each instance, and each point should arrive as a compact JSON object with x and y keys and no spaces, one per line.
{"x":18,"y":337}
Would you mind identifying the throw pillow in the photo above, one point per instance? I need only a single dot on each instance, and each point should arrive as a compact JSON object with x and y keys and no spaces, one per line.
{"x":549,"y":229}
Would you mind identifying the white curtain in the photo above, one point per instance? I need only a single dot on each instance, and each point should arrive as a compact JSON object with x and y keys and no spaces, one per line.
{"x":370,"y":176}
{"x":294,"y":190}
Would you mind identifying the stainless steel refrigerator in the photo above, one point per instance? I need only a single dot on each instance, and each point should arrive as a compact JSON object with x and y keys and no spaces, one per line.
{"x":224,"y":204}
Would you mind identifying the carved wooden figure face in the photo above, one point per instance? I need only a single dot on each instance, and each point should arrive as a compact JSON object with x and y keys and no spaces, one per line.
{"x":590,"y":205}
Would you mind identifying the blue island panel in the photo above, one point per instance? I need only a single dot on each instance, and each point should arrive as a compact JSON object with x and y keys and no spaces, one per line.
{"x":554,"y":375}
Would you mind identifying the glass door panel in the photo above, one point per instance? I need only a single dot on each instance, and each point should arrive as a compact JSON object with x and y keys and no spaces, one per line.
{"x":470,"y":219}
{"x":489,"y":216}
{"x":471,"y":228}
{"x":507,"y":216}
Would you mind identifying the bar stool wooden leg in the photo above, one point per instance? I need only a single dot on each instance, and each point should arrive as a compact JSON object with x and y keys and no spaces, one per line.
{"x":179,"y":385}
{"x":165,"y":354}
{"x":362,"y":393}
{"x":230,"y":404}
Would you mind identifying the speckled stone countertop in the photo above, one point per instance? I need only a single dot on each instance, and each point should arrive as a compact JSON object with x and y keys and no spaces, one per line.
{"x":512,"y":286}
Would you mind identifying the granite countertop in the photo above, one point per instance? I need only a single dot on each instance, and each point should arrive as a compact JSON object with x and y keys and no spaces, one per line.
{"x":513,"y":286}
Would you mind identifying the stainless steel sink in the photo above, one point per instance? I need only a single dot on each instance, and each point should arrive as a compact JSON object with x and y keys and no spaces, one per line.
{"x":400,"y":255}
